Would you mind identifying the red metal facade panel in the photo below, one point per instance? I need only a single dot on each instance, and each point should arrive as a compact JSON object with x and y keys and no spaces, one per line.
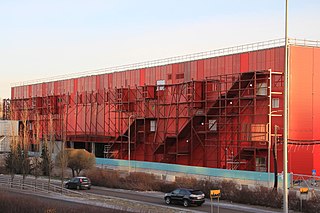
{"x":301,"y":78}
{"x":228,"y":64}
{"x":213,"y":67}
{"x":269,"y":59}
{"x":252,"y":60}
{"x":236,"y":63}
{"x":199,"y":69}
{"x":316,"y":96}
{"x":244,"y":62}
{"x":316,"y":163}
{"x":221,"y":65}
{"x":110,"y":80}
{"x":300,"y":159}
{"x":142,"y":76}
{"x":170,"y":107}
{"x":304,"y":108}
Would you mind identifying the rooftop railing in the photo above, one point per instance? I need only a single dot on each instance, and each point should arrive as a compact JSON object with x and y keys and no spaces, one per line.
{"x":178,"y":59}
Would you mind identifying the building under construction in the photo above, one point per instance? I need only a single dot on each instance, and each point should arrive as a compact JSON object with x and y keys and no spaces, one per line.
{"x":221,"y":109}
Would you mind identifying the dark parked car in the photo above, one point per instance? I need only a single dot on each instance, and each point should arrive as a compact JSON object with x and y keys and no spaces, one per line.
{"x":185,"y":197}
{"x":78,"y":183}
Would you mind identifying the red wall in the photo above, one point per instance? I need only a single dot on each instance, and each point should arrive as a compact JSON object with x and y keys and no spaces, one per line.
{"x":304,"y":113}
{"x":179,"y":72}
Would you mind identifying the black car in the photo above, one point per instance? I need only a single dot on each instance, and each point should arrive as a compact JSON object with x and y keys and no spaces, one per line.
{"x":186,"y":197}
{"x":78,"y":183}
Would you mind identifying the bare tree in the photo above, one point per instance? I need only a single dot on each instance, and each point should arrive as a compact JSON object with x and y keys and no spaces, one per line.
{"x":23,"y":154}
{"x":36,"y":161}
{"x":62,"y":158}
{"x":46,"y":161}
{"x":35,"y":168}
{"x":1,"y":108}
{"x":47,"y":149}
{"x":62,"y":162}
{"x":11,"y":161}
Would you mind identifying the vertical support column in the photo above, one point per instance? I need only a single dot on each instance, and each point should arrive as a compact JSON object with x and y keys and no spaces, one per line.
{"x":269,"y":124}
{"x":93,"y":148}
{"x":85,"y":113}
{"x":76,"y":108}
{"x":191,"y":117}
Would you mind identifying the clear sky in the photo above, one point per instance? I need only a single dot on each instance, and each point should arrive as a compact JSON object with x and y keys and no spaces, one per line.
{"x":42,"y":38}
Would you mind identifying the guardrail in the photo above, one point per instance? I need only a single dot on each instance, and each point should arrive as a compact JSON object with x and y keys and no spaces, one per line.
{"x":39,"y":186}
{"x":309,"y":181}
{"x":171,"y":60}
{"x":178,"y":59}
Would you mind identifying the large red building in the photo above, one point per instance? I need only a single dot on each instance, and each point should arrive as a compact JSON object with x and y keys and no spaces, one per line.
{"x":221,"y":109}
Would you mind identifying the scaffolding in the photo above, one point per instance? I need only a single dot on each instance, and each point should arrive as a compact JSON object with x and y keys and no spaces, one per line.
{"x":223,"y":121}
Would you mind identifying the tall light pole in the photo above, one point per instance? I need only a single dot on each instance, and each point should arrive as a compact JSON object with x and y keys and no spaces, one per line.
{"x":129,"y":141}
{"x":286,"y":114}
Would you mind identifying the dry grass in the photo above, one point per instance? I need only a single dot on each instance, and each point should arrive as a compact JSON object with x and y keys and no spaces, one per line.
{"x":140,"y":181}
{"x":103,"y":177}
{"x":230,"y":190}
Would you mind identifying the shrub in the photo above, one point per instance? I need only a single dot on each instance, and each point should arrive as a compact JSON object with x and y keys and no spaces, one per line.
{"x":293,"y":200}
{"x":186,"y":182}
{"x":140,"y":181}
{"x":167,"y":186}
{"x":230,"y":190}
{"x":207,"y":185}
{"x":312,"y":205}
{"x":103,"y":177}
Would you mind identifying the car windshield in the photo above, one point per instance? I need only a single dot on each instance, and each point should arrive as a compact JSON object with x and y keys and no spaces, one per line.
{"x":197,"y":192}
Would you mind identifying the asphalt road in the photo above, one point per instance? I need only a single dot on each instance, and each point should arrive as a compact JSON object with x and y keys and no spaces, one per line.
{"x":157,"y":198}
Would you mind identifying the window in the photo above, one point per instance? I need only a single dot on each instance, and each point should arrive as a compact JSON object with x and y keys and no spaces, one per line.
{"x":160,"y":84}
{"x":176,"y":191}
{"x":184,"y":192}
{"x":152,"y":126}
{"x":213,"y":126}
{"x":262,"y":89}
{"x":258,"y":132}
{"x":275,"y":102}
{"x":179,"y":75}
{"x":261,"y":164}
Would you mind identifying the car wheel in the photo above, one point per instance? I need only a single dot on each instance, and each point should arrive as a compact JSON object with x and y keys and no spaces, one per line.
{"x":89,"y":188}
{"x":67,"y":186}
{"x":168,"y":200}
{"x":185,"y":203}
{"x":78,"y":187}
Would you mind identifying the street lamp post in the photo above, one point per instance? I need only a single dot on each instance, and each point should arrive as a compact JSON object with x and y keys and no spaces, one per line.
{"x":286,"y":115}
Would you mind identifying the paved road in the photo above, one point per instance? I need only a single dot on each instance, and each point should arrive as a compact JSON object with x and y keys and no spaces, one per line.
{"x":156,"y":198}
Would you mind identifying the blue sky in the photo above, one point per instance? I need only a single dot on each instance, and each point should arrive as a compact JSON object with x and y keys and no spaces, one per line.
{"x":47,"y":38}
